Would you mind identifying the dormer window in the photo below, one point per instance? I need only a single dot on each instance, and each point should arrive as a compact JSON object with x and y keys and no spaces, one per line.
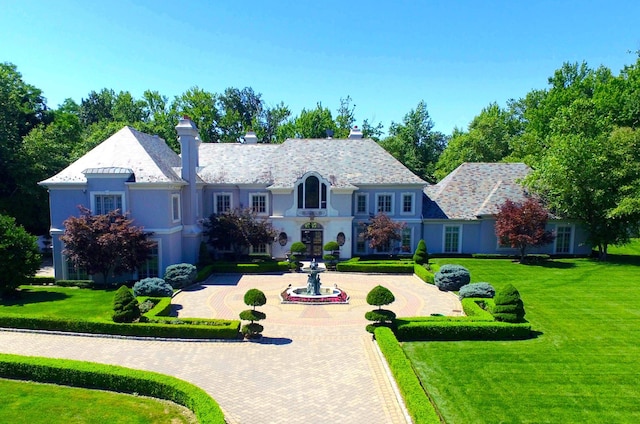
{"x":312,"y":194}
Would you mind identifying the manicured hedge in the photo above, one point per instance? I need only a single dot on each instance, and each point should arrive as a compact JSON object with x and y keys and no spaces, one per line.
{"x":471,"y":307}
{"x":161,"y":309}
{"x":40,"y":280}
{"x":423,"y":273}
{"x":83,"y":284}
{"x":118,"y":379}
{"x":461,"y":330}
{"x":235,"y":268}
{"x":415,"y":398}
{"x":372,"y":267}
{"x":225,"y":329}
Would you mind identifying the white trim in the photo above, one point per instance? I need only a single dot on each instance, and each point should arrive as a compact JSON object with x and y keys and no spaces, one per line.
{"x":175,"y":203}
{"x":266,"y":202}
{"x":366,"y":204}
{"x":413,"y":203}
{"x":93,"y":194}
{"x":215,"y":200}
{"x":163,"y":231}
{"x":392,"y":206}
{"x":444,"y":238}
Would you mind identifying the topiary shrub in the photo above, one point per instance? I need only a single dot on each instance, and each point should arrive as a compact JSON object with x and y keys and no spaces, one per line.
{"x":125,"y":306}
{"x":152,"y":287}
{"x":484,"y":290}
{"x":452,"y":277}
{"x":297,"y":250}
{"x":508,"y":306}
{"x":180,"y":275}
{"x":421,"y":256}
{"x":379,"y":296}
{"x":253,"y":297}
{"x":331,"y":246}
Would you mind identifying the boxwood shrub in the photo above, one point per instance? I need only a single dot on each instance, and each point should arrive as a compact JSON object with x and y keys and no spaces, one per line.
{"x":460,"y":330}
{"x":373,"y":267}
{"x":226,"y":329}
{"x":416,"y":400}
{"x":114,"y":378}
{"x":83,"y":284}
{"x":423,"y":273}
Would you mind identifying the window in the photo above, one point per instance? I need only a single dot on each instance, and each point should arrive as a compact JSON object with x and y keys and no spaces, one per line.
{"x":406,"y":240}
{"x":361,"y":203}
{"x":312,"y":194}
{"x":563,"y":239}
{"x":222,"y":202}
{"x":175,"y":207}
{"x":103,"y":203}
{"x":360,"y":241}
{"x":258,"y":203}
{"x":149,"y":269}
{"x":452,"y":239}
{"x":75,"y":273}
{"x":407,"y":203}
{"x":259,"y":249}
{"x":384,"y":203}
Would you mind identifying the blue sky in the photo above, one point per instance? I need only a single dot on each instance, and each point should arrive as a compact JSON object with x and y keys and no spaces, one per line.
{"x":457,"y":56}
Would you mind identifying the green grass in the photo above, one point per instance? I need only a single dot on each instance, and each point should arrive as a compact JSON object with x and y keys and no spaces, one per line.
{"x":632,"y":248}
{"x":60,"y":302}
{"x":582,"y":368}
{"x":35,"y":403}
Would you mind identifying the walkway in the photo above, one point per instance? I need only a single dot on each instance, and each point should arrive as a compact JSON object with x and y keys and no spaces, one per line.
{"x":315,"y":363}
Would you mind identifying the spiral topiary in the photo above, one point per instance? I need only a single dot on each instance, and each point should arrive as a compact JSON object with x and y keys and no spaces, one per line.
{"x":125,"y":306}
{"x":508,"y":305}
{"x":421,"y":256}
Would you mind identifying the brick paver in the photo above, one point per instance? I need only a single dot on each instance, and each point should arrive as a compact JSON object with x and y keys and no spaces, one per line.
{"x":315,"y":363}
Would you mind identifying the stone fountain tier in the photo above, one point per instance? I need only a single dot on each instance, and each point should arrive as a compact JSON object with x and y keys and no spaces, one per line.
{"x":313,"y":293}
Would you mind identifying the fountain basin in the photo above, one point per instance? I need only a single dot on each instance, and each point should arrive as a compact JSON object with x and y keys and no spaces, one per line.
{"x":327,"y":295}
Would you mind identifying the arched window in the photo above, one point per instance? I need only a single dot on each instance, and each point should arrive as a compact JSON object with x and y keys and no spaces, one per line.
{"x":312,"y":194}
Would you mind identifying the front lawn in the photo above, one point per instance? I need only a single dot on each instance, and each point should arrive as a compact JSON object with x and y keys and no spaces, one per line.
{"x":33,"y":403}
{"x":60,"y":302}
{"x":583,"y":366}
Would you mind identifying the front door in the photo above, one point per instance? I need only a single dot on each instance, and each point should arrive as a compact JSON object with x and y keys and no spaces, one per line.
{"x":311,"y":236}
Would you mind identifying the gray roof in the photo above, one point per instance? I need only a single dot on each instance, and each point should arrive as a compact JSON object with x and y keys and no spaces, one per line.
{"x":346,"y":163}
{"x":475,"y":189}
{"x":149,"y":158}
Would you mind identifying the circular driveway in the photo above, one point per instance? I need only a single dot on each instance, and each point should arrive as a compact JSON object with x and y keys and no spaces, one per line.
{"x":315,"y":363}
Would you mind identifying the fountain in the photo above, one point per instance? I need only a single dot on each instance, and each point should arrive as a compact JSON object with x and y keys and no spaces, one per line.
{"x":313,"y":292}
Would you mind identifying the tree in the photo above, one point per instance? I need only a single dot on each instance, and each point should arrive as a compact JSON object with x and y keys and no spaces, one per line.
{"x":414,"y":143}
{"x":238,"y":229}
{"x":253,"y":298}
{"x":523,"y":225}
{"x":239,"y":110}
{"x":270,"y":121}
{"x":105,"y":244}
{"x":508,"y":306}
{"x":200,"y":106}
{"x":125,"y":306}
{"x":379,"y":296}
{"x":381,"y":231}
{"x":345,"y":118}
{"x":19,"y":255}
{"x":421,"y":256}
{"x":313,"y":123}
{"x":595,"y":180}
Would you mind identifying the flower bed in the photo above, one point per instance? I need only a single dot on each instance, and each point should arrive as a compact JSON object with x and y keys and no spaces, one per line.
{"x":342,"y":297}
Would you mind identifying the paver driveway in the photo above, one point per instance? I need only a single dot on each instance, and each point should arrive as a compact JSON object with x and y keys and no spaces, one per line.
{"x":315,"y":363}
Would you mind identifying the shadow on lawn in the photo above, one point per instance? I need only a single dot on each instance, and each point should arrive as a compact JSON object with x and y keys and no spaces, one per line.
{"x":26,"y":297}
{"x":622,"y":260}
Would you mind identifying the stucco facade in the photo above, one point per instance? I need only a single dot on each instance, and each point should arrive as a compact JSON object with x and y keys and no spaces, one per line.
{"x":312,"y":190}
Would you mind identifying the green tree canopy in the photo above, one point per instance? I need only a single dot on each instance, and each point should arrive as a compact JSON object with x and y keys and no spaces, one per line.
{"x":19,"y":255}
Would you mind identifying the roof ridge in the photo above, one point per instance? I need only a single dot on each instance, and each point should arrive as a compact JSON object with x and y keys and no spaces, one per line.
{"x":489,"y":196}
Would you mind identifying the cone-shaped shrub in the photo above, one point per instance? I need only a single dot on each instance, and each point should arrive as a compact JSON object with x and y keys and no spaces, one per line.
{"x":508,"y":305}
{"x":452,"y":277}
{"x":421,"y":256}
{"x":125,"y":306}
{"x":253,"y":297}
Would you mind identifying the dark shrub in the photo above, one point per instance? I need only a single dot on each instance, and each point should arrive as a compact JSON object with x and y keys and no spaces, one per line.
{"x":421,"y":256}
{"x":253,"y":297}
{"x":252,"y":315}
{"x":252,"y":330}
{"x":331,"y":246}
{"x":152,"y":287}
{"x":379,"y":296}
{"x":125,"y":306}
{"x":452,"y":277}
{"x":180,"y":275}
{"x":484,"y":290}
{"x":146,"y":306}
{"x":508,"y":305}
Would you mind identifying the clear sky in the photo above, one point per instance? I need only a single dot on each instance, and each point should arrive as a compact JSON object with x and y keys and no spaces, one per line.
{"x":458,"y":56}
